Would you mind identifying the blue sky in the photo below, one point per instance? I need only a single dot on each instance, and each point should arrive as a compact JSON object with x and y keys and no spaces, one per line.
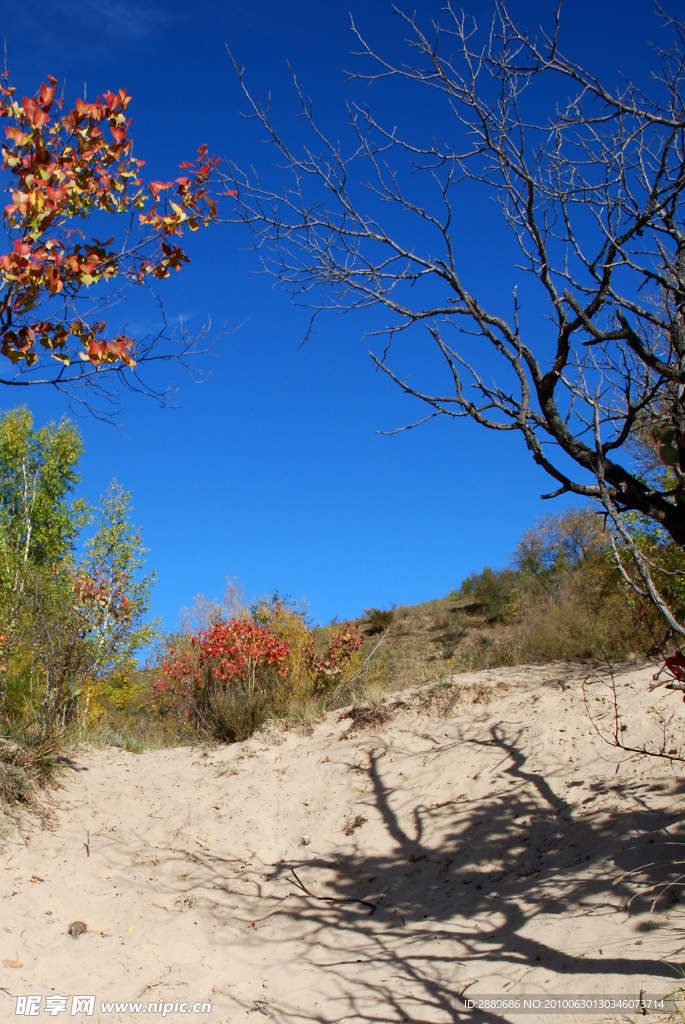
{"x":272,"y":469}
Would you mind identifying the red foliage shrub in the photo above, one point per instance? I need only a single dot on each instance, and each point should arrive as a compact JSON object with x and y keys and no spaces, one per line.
{"x":230,"y":654}
{"x":330,"y":667}
{"x":235,"y":648}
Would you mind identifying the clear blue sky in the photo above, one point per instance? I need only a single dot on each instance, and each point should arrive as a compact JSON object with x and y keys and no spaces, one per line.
{"x":272,"y":470}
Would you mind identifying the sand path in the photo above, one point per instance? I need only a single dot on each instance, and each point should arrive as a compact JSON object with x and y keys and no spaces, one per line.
{"x":504,"y":847}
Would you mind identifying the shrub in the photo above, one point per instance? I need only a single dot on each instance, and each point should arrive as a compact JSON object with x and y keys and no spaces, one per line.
{"x":236,"y":650}
{"x":332,"y":665}
{"x":491,"y":591}
{"x":225,"y":679}
{"x":379,"y":620}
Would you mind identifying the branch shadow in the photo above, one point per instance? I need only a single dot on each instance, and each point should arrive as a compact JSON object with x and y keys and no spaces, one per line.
{"x":467,"y":898}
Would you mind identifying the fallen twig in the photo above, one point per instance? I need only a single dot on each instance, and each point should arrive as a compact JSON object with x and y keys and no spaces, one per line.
{"x":332,"y":899}
{"x":616,"y":740}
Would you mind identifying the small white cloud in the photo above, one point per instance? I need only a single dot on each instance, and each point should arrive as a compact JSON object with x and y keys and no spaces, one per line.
{"x":123,"y":18}
{"x":130,"y":19}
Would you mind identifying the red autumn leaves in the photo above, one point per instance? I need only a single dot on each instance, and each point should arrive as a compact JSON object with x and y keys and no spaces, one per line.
{"x":232,"y":651}
{"x":234,"y":648}
{"x":101,"y":594}
{"x":329,"y":667}
{"x":74,"y":165}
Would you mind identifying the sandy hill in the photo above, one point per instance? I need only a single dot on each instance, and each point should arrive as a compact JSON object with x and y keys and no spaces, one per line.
{"x":474,"y":838}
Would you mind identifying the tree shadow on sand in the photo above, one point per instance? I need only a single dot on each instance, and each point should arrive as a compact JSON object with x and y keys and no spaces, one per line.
{"x":461,"y":887}
{"x":504,"y":860}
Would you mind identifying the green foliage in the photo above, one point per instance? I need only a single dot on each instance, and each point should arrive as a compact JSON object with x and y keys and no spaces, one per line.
{"x":37,"y":476}
{"x":115,"y":557}
{"x":667,"y":560}
{"x":491,"y":592}
{"x":67,"y":625}
{"x":563,"y":597}
{"x":84,"y":623}
{"x":559,"y":542}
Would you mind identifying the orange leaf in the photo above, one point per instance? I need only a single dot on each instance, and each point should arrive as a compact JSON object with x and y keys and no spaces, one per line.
{"x":46,"y":95}
{"x":33,"y":114}
{"x":157,"y":186}
{"x":16,"y":136}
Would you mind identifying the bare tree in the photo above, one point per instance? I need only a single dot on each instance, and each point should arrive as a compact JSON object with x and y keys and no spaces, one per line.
{"x":592,"y":191}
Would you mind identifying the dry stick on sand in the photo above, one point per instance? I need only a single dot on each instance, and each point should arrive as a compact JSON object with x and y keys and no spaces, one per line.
{"x":332,"y":899}
{"x":326,"y":899}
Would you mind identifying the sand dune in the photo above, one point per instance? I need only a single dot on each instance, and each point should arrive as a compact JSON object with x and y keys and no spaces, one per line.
{"x":486,"y":839}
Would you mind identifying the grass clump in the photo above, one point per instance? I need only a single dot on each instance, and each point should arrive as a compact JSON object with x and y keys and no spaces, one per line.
{"x":31,"y":761}
{"x":233,"y":717}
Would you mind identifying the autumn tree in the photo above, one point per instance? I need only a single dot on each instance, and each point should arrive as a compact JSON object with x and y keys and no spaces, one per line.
{"x":65,"y":167}
{"x":83,"y":623}
{"x":69,"y":618}
{"x":590,"y":181}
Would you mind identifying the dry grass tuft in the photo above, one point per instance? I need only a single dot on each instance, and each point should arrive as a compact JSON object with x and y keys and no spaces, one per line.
{"x":352,"y":824}
{"x":31,"y":761}
{"x":303,"y":714}
{"x":364,"y":717}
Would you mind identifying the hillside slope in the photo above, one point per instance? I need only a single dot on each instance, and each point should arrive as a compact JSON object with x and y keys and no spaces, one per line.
{"x":501,"y":844}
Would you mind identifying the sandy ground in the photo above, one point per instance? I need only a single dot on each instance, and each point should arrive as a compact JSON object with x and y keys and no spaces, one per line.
{"x":501,"y":846}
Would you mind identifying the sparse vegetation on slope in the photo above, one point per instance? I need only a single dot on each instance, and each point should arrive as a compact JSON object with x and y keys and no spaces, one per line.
{"x":562,"y":598}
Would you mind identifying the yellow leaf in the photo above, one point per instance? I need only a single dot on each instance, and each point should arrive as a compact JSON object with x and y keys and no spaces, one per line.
{"x":131,"y":928}
{"x":12,"y":963}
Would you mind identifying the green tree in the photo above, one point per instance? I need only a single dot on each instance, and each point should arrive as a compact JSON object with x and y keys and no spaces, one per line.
{"x":66,"y":622}
{"x":84,"y":621}
{"x":37,"y":478}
